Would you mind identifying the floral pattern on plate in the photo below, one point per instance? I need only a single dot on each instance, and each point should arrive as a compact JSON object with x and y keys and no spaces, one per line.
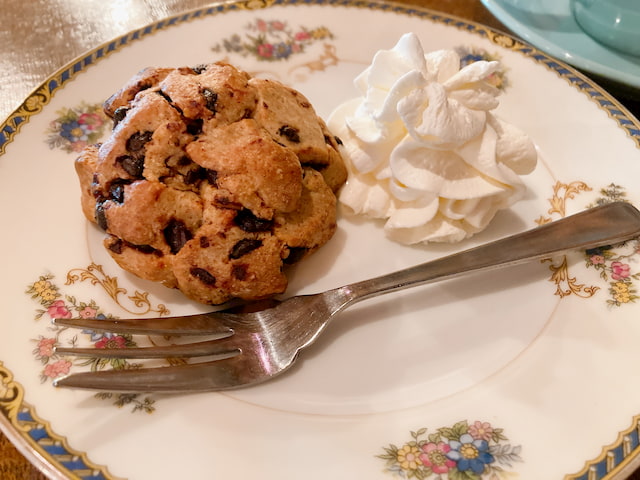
{"x":615,"y":268}
{"x":76,"y":127}
{"x":479,"y":451}
{"x":55,"y":304}
{"x":614,"y":263}
{"x":470,"y":54}
{"x":464,"y":451}
{"x":272,"y":40}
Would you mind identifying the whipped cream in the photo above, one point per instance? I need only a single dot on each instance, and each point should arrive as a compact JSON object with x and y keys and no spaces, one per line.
{"x":423,"y":148}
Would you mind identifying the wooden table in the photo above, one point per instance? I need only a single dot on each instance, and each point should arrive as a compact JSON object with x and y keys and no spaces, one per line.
{"x":13,"y":466}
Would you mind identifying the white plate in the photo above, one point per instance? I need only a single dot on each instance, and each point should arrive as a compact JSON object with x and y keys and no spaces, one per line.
{"x":550,"y":26}
{"x":539,"y":360}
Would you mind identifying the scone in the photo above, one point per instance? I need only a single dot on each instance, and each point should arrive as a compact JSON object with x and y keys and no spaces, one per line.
{"x":212,"y":181}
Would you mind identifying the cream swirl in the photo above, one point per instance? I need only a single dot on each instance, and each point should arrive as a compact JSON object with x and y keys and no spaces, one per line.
{"x":424,"y":149}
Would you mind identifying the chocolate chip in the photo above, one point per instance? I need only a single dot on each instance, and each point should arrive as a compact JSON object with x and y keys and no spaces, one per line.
{"x":204,"y":242}
{"x":195,"y":176}
{"x":240,"y":271}
{"x":316,"y":165}
{"x":243,"y":247}
{"x":119,"y":115}
{"x":290,"y":133}
{"x":212,"y":177}
{"x":183,"y":161}
{"x":247,"y":221}
{"x":116,"y":190}
{"x":202,"y":275}
{"x":176,"y":234}
{"x":295,"y":255}
{"x":101,"y":217}
{"x":194,"y":127}
{"x":134,"y":166}
{"x":116,"y":246}
{"x":211,"y":99}
{"x":143,"y":85}
{"x":148,"y":249}
{"x":198,"y":69}
{"x":133,"y":163}
{"x":138,"y":140}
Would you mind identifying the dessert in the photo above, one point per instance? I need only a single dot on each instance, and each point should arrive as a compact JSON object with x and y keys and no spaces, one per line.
{"x":424,"y":149}
{"x":212,"y":181}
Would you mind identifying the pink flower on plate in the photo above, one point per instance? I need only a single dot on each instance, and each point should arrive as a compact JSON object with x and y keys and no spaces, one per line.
{"x":261,"y":25}
{"x":265,"y":50}
{"x":619,"y":270}
{"x":88,"y":312}
{"x":45,"y":347}
{"x":115,"y":341}
{"x":54,"y":370}
{"x":59,"y":310}
{"x":481,"y":430}
{"x":597,"y":259}
{"x":434,"y":456}
{"x":303,"y":35}
{"x":90,"y":121}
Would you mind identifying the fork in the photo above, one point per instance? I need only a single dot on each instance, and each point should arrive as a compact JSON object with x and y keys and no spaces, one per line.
{"x":248,"y":348}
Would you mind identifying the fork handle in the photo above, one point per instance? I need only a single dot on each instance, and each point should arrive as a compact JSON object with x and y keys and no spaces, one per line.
{"x":608,"y":224}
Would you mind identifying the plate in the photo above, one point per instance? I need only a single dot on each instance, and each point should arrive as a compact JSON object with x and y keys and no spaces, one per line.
{"x":550,"y":26}
{"x":533,"y":367}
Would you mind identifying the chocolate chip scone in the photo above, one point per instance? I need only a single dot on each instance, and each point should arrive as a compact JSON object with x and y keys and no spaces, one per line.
{"x":212,"y":181}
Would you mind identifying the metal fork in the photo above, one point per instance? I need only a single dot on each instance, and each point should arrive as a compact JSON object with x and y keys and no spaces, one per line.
{"x":248,"y":348}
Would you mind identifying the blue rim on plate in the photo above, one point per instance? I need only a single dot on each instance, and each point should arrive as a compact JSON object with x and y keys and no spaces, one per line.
{"x":34,"y":436}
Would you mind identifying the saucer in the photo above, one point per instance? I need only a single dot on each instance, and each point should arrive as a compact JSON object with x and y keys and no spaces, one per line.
{"x":549,"y":25}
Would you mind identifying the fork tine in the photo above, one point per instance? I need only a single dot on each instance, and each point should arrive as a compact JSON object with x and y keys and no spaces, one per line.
{"x":193,"y":377}
{"x":199,"y":324}
{"x":197,"y":349}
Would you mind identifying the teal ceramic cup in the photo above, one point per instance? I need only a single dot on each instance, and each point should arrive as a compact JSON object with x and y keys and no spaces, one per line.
{"x":614,"y":23}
